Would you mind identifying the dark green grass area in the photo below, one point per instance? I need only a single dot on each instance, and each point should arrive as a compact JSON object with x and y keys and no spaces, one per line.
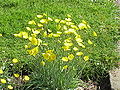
{"x":15,"y":14}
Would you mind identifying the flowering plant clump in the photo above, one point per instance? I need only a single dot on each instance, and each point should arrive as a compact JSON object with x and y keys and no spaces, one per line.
{"x":60,"y":47}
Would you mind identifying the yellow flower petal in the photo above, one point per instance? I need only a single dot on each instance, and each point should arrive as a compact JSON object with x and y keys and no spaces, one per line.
{"x":75,"y":49}
{"x":90,"y":42}
{"x":1,"y":71}
{"x":57,"y":20}
{"x":86,"y":58}
{"x":32,"y":22}
{"x":65,"y":59}
{"x":0,"y":35}
{"x":15,"y":60}
{"x":40,"y":16}
{"x":71,"y":56}
{"x":10,"y":87}
{"x":3,"y":81}
{"x":26,"y":78}
{"x":33,"y":51}
{"x":65,"y":67}
{"x":94,"y":33}
{"x":28,"y":28}
{"x":16,"y":75}
{"x":79,"y":53}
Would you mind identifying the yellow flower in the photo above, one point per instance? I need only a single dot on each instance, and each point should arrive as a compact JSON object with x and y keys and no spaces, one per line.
{"x":40,"y":16}
{"x":32,"y":22}
{"x":16,"y":75}
{"x":86,"y":58}
{"x":79,"y":53}
{"x":82,"y":26}
{"x":56,"y":35}
{"x":69,"y":23}
{"x":22,"y":34}
{"x":74,"y":26}
{"x":44,"y":14}
{"x":40,"y":25}
{"x":83,"y":21}
{"x":57,"y":20}
{"x":49,"y":55}
{"x":80,"y":44}
{"x":33,"y":40}
{"x":33,"y":51}
{"x":1,"y":71}
{"x":70,"y":57}
{"x":10,"y":87}
{"x":68,"y":19}
{"x":26,"y":78}
{"x":68,"y":44}
{"x":50,"y":19}
{"x":28,"y":28}
{"x":90,"y":42}
{"x":15,"y":60}
{"x":42,"y":63}
{"x":65,"y":59}
{"x":94,"y":33}
{"x":43,"y":21}
{"x":78,"y":39}
{"x":65,"y":67}
{"x":0,"y":35}
{"x":63,"y":21}
{"x":35,"y":31}
{"x":75,"y":49}
{"x":66,"y":48}
{"x":3,"y":80}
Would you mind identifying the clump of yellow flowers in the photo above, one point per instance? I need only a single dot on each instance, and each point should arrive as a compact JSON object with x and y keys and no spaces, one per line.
{"x":61,"y":42}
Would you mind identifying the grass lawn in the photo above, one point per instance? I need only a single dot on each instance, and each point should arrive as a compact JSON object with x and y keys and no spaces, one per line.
{"x":100,"y":15}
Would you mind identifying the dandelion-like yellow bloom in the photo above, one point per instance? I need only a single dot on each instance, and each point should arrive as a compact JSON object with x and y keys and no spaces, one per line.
{"x":16,"y":75}
{"x":68,"y":44}
{"x":86,"y":58}
{"x":10,"y":87}
{"x":15,"y":60}
{"x":57,"y":20}
{"x":71,"y":57}
{"x":66,"y":48}
{"x":33,"y":40}
{"x":22,"y":34}
{"x":0,"y":35}
{"x":90,"y":42}
{"x":43,"y":21}
{"x":3,"y":81}
{"x":32,"y":22}
{"x":94,"y":33}
{"x":82,"y":26}
{"x":49,"y":55}
{"x":40,"y":16}
{"x":1,"y":71}
{"x":28,"y":28}
{"x":68,"y":19}
{"x":50,"y":19}
{"x":80,"y":44}
{"x":63,"y":21}
{"x":40,"y":25}
{"x":26,"y":78}
{"x":42,"y":63}
{"x":33,"y":51}
{"x":79,"y":53}
{"x":75,"y":49}
{"x":56,"y":35}
{"x":65,"y":59}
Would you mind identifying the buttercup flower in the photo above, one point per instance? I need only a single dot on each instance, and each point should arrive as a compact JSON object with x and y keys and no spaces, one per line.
{"x":32,"y":22}
{"x":82,"y":26}
{"x":57,"y":20}
{"x":90,"y":42}
{"x":94,"y":33}
{"x":1,"y":71}
{"x":15,"y":60}
{"x":86,"y":58}
{"x":71,"y":56}
{"x":10,"y":87}
{"x":40,"y":16}
{"x":43,"y":21}
{"x":26,"y":78}
{"x":79,"y":53}
{"x":65,"y":59}
{"x":0,"y":35}
{"x":28,"y":28}
{"x":75,"y":49}
{"x":3,"y":81}
{"x":16,"y":75}
{"x":33,"y":51}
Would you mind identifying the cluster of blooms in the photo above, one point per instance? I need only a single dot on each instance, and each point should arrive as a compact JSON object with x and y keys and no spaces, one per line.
{"x":64,"y":27}
{"x":10,"y":83}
